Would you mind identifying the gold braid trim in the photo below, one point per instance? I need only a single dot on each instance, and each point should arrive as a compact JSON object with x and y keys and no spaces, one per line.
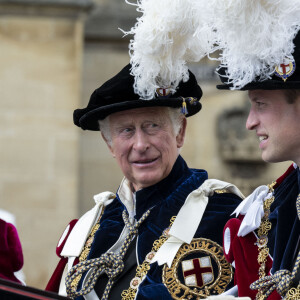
{"x":86,"y":250}
{"x":142,"y":270}
{"x":262,"y":240}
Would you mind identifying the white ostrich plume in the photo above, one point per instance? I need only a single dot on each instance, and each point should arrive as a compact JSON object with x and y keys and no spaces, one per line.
{"x":254,"y":36}
{"x":169,"y":34}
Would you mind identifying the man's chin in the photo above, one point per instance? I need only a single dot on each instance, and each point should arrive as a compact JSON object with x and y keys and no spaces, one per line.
{"x":269,"y":158}
{"x":146,"y":181}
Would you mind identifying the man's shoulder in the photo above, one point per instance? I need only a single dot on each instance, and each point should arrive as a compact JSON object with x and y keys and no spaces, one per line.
{"x":225,"y":197}
{"x":286,"y":188}
{"x":74,"y":236}
{"x":289,"y":175}
{"x":220,"y":196}
{"x":286,"y":176}
{"x":221,"y":190}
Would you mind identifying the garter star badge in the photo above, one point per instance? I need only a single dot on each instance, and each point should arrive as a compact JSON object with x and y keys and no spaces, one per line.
{"x":286,"y":69}
{"x":199,"y":269}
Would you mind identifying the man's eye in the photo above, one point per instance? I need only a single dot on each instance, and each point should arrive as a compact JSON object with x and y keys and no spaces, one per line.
{"x":260,"y":104}
{"x":125,"y":131}
{"x":152,"y":127}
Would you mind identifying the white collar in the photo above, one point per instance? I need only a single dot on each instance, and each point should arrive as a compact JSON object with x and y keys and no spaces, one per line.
{"x":127,"y":197}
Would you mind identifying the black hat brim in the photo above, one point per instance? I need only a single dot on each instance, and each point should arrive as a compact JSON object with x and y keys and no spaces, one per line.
{"x":264,"y":85}
{"x":275,"y":82}
{"x":89,"y":120}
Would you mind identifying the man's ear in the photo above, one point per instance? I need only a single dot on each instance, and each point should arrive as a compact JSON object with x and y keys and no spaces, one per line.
{"x":181,"y":135}
{"x":109,"y":145}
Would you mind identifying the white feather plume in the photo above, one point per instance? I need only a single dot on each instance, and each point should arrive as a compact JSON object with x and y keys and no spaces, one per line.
{"x":254,"y":36}
{"x":167,"y":35}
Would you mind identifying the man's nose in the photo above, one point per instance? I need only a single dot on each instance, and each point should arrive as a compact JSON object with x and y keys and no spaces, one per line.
{"x":141,"y":141}
{"x":252,"y":120}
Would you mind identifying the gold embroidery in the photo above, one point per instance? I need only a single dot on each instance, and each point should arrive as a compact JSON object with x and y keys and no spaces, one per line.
{"x":142,"y":270}
{"x":222,"y":191}
{"x":293,"y":294}
{"x":86,"y":250}
{"x":263,"y":230}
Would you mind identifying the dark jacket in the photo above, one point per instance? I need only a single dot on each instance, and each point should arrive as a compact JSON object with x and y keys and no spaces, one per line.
{"x":165,"y":200}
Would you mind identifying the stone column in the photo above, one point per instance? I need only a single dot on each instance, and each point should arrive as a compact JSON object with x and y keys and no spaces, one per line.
{"x":41,"y":46}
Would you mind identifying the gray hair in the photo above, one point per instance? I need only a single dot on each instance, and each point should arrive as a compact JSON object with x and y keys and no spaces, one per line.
{"x":175,"y":115}
{"x":177,"y":118}
{"x":104,"y":128}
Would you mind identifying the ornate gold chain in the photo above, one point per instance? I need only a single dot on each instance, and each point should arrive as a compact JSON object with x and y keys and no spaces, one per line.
{"x":142,"y":270}
{"x":262,"y":240}
{"x":293,"y":293}
{"x":281,"y":280}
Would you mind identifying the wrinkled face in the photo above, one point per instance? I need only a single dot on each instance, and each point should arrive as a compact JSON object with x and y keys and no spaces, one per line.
{"x":144,"y":144}
{"x":277,"y":125}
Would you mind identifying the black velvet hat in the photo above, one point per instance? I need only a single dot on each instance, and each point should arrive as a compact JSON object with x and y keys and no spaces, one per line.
{"x":286,"y":76}
{"x":117,"y":94}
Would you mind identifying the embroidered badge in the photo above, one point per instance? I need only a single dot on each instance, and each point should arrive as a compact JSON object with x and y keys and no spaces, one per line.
{"x":286,"y":69}
{"x":199,"y":269}
{"x":163,"y":91}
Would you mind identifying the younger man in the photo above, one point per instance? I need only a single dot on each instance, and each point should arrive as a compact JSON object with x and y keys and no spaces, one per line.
{"x":263,"y":242}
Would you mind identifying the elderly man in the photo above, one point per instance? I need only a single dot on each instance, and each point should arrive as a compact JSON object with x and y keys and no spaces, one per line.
{"x":165,"y":218}
{"x":264,"y":246}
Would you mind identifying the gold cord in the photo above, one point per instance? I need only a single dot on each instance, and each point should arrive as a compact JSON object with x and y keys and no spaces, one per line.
{"x":142,"y":270}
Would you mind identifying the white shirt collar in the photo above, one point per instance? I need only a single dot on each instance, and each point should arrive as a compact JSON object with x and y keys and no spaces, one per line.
{"x":127,"y":197}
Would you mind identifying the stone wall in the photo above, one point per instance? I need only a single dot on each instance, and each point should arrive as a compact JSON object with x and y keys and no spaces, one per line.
{"x":40,"y":83}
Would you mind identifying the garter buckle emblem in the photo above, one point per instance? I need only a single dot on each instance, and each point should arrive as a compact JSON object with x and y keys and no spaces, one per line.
{"x":163,"y":92}
{"x":198,"y":270}
{"x":285,"y":69}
